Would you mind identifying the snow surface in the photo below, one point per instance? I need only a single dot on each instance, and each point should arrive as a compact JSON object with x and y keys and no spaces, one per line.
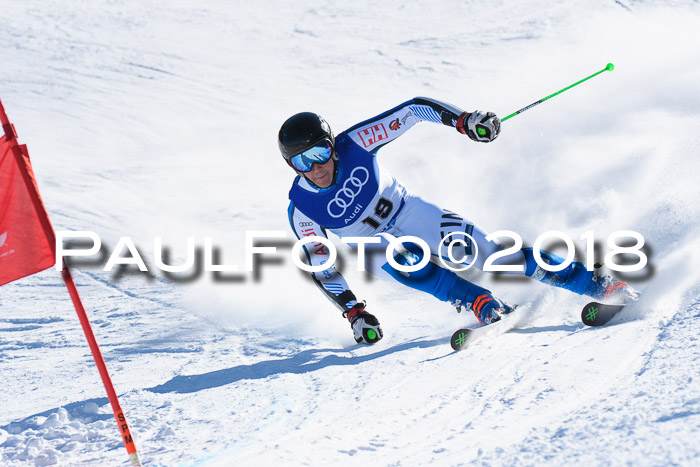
{"x":159,"y":118}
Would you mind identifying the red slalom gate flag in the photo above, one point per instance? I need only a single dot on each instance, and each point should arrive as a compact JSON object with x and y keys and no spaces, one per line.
{"x":27,"y":240}
{"x":28,"y":245}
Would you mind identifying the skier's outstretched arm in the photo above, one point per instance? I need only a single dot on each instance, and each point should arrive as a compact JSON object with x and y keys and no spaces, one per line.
{"x":365,"y":326}
{"x":330,"y":281}
{"x":374,"y":133}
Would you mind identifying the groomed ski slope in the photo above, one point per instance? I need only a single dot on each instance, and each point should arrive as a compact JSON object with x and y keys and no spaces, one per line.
{"x":160,"y":118}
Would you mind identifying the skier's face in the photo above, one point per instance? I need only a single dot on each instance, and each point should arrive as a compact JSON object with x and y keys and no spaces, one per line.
{"x":321,"y":175}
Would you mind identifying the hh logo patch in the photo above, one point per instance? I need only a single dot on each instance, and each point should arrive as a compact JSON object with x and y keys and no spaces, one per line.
{"x":373,"y":134}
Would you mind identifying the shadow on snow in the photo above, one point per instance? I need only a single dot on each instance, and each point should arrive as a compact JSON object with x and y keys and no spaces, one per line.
{"x":303,"y":362}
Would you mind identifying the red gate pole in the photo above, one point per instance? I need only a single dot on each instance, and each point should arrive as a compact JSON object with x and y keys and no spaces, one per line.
{"x":99,"y":361}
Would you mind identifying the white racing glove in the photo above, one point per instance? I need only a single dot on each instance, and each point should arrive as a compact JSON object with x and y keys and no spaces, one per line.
{"x":365,"y":326}
{"x":479,"y":126}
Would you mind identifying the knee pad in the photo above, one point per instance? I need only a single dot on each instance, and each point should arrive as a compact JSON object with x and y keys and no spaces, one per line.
{"x":431,"y":278}
{"x":574,"y":277}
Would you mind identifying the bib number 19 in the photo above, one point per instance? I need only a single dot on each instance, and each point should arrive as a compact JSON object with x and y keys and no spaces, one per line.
{"x":382,"y":210}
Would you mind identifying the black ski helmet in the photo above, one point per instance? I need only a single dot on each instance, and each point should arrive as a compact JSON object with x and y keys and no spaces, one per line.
{"x":303,"y":131}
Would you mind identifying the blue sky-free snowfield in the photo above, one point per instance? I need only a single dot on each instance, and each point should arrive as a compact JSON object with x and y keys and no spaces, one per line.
{"x":160,"y":118}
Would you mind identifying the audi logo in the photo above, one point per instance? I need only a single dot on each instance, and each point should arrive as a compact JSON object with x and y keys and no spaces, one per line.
{"x":347,"y":194}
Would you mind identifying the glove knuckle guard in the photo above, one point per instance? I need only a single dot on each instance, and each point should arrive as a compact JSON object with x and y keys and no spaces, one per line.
{"x":366,"y":328}
{"x":480,"y":126}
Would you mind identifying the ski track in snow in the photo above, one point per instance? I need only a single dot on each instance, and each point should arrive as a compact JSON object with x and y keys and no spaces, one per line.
{"x":148,"y":118}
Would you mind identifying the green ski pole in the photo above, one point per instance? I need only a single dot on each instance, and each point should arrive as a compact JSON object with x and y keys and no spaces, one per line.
{"x":608,"y":67}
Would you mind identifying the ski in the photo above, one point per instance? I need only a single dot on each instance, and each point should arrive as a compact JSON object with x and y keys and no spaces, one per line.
{"x":597,"y":314}
{"x":462,"y":338}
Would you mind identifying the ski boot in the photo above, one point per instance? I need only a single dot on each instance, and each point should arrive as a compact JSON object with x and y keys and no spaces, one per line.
{"x":487,"y":308}
{"x":605,"y":288}
{"x":578,"y":279}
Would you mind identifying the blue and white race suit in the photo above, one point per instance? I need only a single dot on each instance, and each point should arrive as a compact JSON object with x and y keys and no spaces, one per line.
{"x":366,"y":200}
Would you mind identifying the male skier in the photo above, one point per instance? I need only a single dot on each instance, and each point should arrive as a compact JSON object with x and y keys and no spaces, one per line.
{"x":341,"y":187}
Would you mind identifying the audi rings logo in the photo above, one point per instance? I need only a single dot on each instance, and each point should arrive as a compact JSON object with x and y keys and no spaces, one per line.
{"x":346,"y":195}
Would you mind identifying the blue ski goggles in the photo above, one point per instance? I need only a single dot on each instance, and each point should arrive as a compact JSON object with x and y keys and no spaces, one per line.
{"x":319,"y":153}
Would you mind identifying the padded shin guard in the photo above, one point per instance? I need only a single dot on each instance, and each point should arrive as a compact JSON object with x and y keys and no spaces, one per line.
{"x":431,"y":278}
{"x":574,"y":277}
